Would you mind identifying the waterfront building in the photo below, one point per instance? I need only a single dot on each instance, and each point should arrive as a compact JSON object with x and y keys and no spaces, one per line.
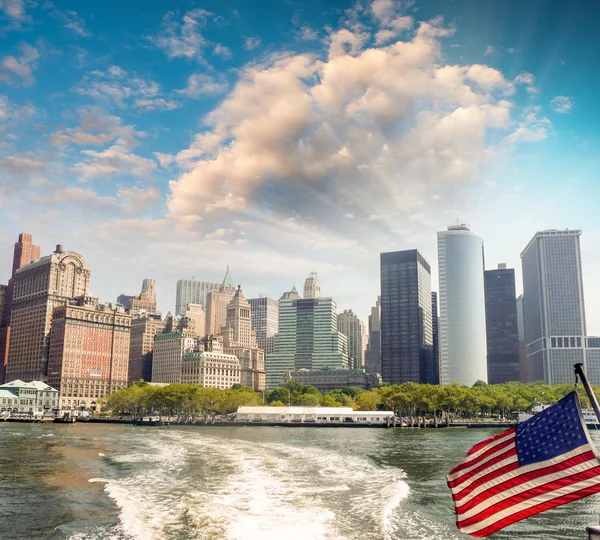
{"x":145,"y":302}
{"x":553,"y":306}
{"x":501,"y":325}
{"x":40,"y":287}
{"x":239,"y":339}
{"x":143,"y":329}
{"x":24,"y":253}
{"x":35,"y":398}
{"x":433,"y":373}
{"x":326,"y":380}
{"x":463,"y":347}
{"x":312,"y":286}
{"x":265,"y":321}
{"x":89,"y":351}
{"x":314,"y":415}
{"x":210,"y":366}
{"x":406,"y":332}
{"x":373,"y":352}
{"x":522,"y":343}
{"x":354,"y":329}
{"x":308,"y":338}
{"x":168,"y":352}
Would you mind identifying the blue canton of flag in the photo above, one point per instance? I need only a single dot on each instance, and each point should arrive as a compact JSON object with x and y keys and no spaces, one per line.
{"x":544,"y":462}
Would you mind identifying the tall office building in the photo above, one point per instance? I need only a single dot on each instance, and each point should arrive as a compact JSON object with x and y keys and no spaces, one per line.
{"x":145,"y":302}
{"x":373,"y":352}
{"x":89,"y":351}
{"x":354,"y":329}
{"x":24,"y":253}
{"x":143,"y":329}
{"x":308,"y":338}
{"x":406,"y":333}
{"x":216,"y":305}
{"x":433,"y":374}
{"x":239,"y":339}
{"x":501,"y":325}
{"x":265,"y":321}
{"x":553,"y":307}
{"x":312,"y":286}
{"x":463,"y":348}
{"x":167,"y":356}
{"x":39,"y":288}
{"x":521,"y":336}
{"x":190,"y":291}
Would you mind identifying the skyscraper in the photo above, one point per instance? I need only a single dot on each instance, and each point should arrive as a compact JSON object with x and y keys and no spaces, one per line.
{"x":373,"y":352}
{"x":24,"y":253}
{"x":522,"y":344}
{"x":308,"y":338}
{"x":265,"y":321}
{"x":312,"y":286}
{"x":39,"y":287}
{"x":433,"y":374}
{"x":354,"y":329}
{"x":239,"y":339}
{"x":553,"y":306}
{"x":501,"y":325}
{"x":146,"y":300}
{"x":463,"y":348}
{"x":406,"y":333}
{"x":215,"y":306}
{"x":190,"y":291}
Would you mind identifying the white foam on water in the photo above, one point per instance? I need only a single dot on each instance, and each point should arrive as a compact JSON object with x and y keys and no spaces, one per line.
{"x":46,"y":435}
{"x":100,"y":454}
{"x":98,"y":480}
{"x":249,"y":490}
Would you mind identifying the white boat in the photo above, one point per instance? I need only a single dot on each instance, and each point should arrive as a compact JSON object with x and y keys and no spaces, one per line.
{"x":589,"y":416}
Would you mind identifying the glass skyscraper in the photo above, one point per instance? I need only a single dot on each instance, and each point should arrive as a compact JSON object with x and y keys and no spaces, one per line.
{"x":463,"y":349}
{"x":501,"y":324}
{"x":406,"y":328}
{"x":553,"y":307}
{"x":308,"y":338}
{"x":265,"y":321}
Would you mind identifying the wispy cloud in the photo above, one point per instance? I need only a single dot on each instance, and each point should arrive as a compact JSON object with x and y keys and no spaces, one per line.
{"x":251,"y":43}
{"x":72,"y":21}
{"x":490,"y":49}
{"x":222,"y":51}
{"x":14,"y":11}
{"x":183,"y":38}
{"x":561,"y":104}
{"x":200,"y":84}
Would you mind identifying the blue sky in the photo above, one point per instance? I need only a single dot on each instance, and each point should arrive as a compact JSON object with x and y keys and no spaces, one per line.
{"x":167,"y":139}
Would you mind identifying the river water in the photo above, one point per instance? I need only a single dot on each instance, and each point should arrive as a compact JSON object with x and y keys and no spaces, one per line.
{"x":99,"y":481}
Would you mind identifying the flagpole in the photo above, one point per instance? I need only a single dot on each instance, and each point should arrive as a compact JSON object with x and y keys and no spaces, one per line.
{"x":588,"y":389}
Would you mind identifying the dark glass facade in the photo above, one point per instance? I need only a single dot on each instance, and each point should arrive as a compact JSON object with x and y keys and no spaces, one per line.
{"x":406,"y":329}
{"x":501,"y":326}
{"x":433,"y":373}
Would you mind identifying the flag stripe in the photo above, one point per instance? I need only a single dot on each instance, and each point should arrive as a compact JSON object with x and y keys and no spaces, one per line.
{"x":479,"y":447}
{"x":511,"y":492}
{"x":461,"y":497}
{"x":496,"y":473}
{"x":487,"y":453}
{"x":529,"y":508}
{"x":497,"y":461}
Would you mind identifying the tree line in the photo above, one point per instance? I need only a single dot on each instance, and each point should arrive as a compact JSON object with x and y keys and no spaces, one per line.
{"x":408,"y":399}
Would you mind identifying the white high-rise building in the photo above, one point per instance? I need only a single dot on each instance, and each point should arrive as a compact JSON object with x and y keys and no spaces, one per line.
{"x":553,"y":308}
{"x":463,"y":346}
{"x":312,"y":286}
{"x":190,"y":291}
{"x":355,"y":330}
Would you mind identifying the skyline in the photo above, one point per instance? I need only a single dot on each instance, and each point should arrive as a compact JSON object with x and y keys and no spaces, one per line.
{"x":167,"y":146}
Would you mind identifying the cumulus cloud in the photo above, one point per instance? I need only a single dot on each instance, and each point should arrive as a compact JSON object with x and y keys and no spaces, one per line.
{"x":200,"y":84}
{"x":14,"y":12}
{"x":222,"y":51}
{"x":19,"y":69}
{"x":384,"y":128}
{"x":389,"y":16}
{"x":532,"y":128}
{"x":528,"y":80}
{"x":561,"y":104}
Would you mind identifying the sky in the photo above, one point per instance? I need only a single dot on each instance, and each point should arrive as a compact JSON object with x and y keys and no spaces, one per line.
{"x":167,"y":140}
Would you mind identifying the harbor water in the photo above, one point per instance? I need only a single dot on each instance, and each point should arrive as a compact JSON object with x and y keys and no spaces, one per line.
{"x":98,"y":481}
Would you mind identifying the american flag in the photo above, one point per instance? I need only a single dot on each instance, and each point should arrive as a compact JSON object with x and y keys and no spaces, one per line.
{"x":542,"y":463}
